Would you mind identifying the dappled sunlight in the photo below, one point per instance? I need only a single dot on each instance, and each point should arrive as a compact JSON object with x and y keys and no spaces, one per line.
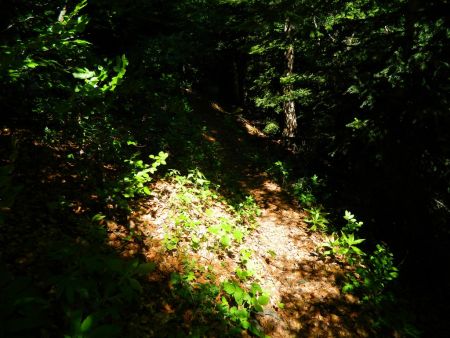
{"x":244,"y":123}
{"x":179,"y":248}
{"x":251,"y":129}
{"x":217,"y":107}
{"x":225,"y":168}
{"x":305,"y":296}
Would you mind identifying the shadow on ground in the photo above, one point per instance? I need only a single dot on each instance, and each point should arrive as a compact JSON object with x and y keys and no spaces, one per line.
{"x":66,"y":272}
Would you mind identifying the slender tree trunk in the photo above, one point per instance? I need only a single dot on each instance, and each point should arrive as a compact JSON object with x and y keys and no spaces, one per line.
{"x":290,"y":116}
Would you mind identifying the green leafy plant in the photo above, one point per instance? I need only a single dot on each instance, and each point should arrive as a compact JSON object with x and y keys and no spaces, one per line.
{"x":372,"y":272}
{"x":226,"y":232}
{"x":346,"y":243}
{"x":352,"y":224}
{"x":304,"y":190}
{"x":93,"y":287}
{"x":280,"y":171}
{"x":247,"y":211}
{"x":195,"y":221}
{"x":317,"y":219}
{"x":271,"y":128}
{"x":135,"y":183}
{"x":171,"y":241}
{"x":239,"y":303}
{"x":245,"y":269}
{"x":94,"y":80}
{"x":372,"y":277}
{"x":194,"y":188}
{"x":185,"y":226}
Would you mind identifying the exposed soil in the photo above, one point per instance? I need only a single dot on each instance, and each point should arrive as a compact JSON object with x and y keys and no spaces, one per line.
{"x":304,"y":288}
{"x":306,"y":300}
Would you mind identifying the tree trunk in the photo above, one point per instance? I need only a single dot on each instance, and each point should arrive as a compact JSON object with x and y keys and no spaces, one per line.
{"x":290,"y":116}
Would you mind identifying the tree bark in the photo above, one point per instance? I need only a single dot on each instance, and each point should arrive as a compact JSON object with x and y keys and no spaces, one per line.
{"x":290,"y":115}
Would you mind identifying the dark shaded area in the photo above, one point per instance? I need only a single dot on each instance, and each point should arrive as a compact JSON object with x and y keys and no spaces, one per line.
{"x":61,"y":269}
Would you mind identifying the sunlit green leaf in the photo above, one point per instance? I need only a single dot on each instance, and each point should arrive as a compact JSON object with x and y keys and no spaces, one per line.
{"x":87,"y":323}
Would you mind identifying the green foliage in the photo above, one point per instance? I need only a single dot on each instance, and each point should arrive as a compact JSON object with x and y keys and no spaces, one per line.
{"x":372,"y":279}
{"x":88,"y":290}
{"x":357,"y":124}
{"x":352,"y":224}
{"x":346,"y":244}
{"x":225,"y":232}
{"x":136,"y":181}
{"x":119,"y":280}
{"x":26,"y":56}
{"x":373,"y":272}
{"x":245,"y":269}
{"x":280,"y":171}
{"x":369,"y":77}
{"x":317,"y":219}
{"x":305,"y":190}
{"x":238,"y":304}
{"x":23,"y":309}
{"x":247,"y":211}
{"x":95,"y":80}
{"x":194,"y":215}
{"x":271,"y":128}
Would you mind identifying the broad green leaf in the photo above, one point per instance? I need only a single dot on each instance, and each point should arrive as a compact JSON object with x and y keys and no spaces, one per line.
{"x":347,"y":288}
{"x":256,"y":288}
{"x":258,"y":308}
{"x":87,"y":323}
{"x":135,"y":284}
{"x":84,"y":74}
{"x":225,"y":240}
{"x":98,"y":217}
{"x":233,"y":310}
{"x":214,"y":229}
{"x":225,"y":302}
{"x":357,"y":250}
{"x":238,"y":295}
{"x":238,"y":235}
{"x":229,"y":288}
{"x":263,"y":300}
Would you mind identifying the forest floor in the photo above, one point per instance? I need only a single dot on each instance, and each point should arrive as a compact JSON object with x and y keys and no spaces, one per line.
{"x":304,"y":288}
{"x":224,"y":222}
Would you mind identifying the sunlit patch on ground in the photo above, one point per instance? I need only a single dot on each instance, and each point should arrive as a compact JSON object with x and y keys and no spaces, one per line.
{"x":305,"y":298}
{"x":196,"y":235}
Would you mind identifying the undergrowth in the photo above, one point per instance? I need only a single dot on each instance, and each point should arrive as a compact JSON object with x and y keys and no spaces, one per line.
{"x":204,"y":222}
{"x":372,"y":274}
{"x":201,"y":218}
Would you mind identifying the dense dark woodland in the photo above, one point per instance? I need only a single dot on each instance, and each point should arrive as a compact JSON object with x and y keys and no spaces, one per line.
{"x":355,"y":94}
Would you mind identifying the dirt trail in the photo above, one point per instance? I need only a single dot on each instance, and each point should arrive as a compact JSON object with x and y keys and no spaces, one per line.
{"x":293,"y":273}
{"x":285,"y":251}
{"x":285,"y":254}
{"x":305,"y":297}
